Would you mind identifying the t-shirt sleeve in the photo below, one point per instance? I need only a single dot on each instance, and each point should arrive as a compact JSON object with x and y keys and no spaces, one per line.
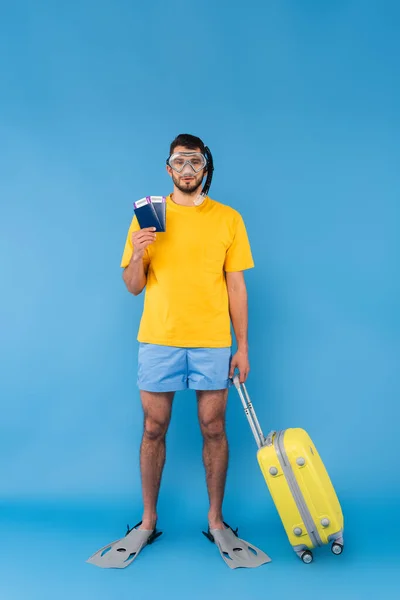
{"x":128,"y":249}
{"x":239,"y":256}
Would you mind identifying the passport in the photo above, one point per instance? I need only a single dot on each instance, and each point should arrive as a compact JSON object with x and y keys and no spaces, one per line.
{"x":146,"y":214}
{"x":160,"y":205}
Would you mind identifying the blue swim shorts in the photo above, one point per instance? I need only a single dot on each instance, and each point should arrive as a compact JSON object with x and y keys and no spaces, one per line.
{"x":171,"y":369}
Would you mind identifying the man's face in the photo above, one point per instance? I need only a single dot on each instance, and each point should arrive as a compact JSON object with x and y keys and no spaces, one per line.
{"x":187,"y":181}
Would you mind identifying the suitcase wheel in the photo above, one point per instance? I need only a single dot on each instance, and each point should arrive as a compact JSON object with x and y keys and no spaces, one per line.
{"x":307,"y":557}
{"x":337,"y":548}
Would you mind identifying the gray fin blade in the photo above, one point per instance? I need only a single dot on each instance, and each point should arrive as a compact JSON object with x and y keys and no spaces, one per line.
{"x":122,"y":552}
{"x":237,"y":552}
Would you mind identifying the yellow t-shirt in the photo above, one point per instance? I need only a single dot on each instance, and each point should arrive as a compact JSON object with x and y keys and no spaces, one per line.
{"x":186,"y":298}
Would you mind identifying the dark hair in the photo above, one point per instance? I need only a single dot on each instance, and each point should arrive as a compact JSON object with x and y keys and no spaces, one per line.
{"x":188,"y":141}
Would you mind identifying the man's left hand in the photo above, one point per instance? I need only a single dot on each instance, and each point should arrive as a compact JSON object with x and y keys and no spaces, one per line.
{"x":240,"y":361}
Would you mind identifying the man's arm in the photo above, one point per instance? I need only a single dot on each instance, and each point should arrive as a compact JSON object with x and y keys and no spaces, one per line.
{"x":238,"y":309}
{"x":134,"y":274}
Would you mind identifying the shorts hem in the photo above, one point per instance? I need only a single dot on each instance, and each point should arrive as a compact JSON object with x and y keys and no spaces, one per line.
{"x":211,"y":386}
{"x":162,"y":387}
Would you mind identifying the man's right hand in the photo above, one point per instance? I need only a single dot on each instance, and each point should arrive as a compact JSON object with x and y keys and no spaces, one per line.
{"x":141,"y":239}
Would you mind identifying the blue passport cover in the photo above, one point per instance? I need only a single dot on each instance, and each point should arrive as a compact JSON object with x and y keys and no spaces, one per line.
{"x":146,"y":214}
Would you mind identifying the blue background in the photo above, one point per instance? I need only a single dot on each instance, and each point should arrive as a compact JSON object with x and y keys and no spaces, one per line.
{"x":299,"y":103}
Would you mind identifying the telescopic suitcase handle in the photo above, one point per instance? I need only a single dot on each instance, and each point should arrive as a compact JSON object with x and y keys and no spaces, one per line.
{"x":250,"y":413}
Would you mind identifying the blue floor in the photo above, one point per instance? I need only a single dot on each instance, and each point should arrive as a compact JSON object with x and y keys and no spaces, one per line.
{"x":44,"y":549}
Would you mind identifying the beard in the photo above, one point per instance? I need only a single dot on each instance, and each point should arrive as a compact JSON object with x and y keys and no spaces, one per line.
{"x":187,"y":187}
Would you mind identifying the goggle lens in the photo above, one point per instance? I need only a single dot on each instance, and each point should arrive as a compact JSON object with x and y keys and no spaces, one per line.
{"x":178,"y":160}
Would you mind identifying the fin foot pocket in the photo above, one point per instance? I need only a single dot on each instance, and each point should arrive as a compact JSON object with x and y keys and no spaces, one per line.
{"x":123,"y":552}
{"x":235,"y":551}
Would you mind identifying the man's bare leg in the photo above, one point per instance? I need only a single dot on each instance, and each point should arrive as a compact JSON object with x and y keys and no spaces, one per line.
{"x":157,"y":408}
{"x":211,"y":413}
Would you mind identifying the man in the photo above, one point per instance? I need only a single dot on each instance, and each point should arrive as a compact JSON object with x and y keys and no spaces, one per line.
{"x":195,"y":287}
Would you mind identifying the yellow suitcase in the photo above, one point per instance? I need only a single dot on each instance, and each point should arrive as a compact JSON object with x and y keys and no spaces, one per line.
{"x":299,"y":485}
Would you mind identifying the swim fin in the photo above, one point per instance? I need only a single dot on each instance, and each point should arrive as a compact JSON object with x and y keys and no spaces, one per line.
{"x":235,"y":551}
{"x":121,"y":553}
